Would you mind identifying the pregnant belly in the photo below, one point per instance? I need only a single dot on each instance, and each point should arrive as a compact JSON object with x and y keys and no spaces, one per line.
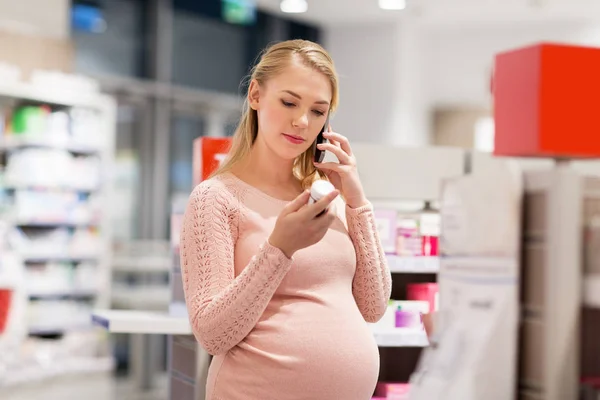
{"x":306,"y":354}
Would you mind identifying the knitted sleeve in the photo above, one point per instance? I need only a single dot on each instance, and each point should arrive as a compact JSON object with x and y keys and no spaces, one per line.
{"x":223,"y":308}
{"x":372,"y":285}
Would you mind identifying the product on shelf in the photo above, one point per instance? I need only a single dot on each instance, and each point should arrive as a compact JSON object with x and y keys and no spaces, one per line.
{"x":5,"y":303}
{"x":393,"y":390}
{"x":408,"y":239}
{"x":386,"y":221}
{"x":428,"y":292}
{"x":408,"y":318}
{"x":408,"y":234}
{"x":403,"y":314}
{"x":58,"y":316}
{"x":29,"y":167}
{"x":53,"y":127}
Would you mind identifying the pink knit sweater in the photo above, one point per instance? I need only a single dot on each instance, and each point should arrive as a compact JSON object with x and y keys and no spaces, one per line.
{"x":279,"y":328}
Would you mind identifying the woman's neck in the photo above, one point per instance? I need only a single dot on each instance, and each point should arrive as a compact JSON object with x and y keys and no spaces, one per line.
{"x":264,"y":169}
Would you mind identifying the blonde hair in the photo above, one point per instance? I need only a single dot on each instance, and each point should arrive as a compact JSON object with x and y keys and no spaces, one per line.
{"x":272,"y":62}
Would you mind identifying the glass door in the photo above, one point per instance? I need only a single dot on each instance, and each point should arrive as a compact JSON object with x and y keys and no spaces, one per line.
{"x":185,"y":128}
{"x":129,"y":172}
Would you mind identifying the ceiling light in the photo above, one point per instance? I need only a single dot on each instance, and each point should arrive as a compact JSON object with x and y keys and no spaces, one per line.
{"x":392,"y":4}
{"x":293,"y":6}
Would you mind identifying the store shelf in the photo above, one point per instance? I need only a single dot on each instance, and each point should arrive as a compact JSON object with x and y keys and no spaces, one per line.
{"x":146,"y":322}
{"x":141,"y":264}
{"x":58,"y":259}
{"x":52,"y":180}
{"x":141,"y":297}
{"x":58,"y":330}
{"x":591,"y":290}
{"x":45,"y":188}
{"x":418,"y":265}
{"x":55,"y":224}
{"x":85,"y":294}
{"x":41,"y":94}
{"x":24,"y":142}
{"x":401,"y":337}
{"x":72,"y":366}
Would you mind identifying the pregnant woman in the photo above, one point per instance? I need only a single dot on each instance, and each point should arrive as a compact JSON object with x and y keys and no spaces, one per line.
{"x":277,"y":290}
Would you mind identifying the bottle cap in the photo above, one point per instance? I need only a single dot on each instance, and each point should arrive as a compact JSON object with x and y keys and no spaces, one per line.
{"x":320,"y":188}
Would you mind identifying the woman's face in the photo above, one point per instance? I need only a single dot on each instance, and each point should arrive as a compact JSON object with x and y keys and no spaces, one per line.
{"x":292,"y":108}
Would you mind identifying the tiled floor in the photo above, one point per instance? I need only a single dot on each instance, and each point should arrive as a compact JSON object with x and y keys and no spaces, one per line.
{"x":85,"y":387}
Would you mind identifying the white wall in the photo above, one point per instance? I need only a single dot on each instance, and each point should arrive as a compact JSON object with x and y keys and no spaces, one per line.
{"x":379,"y":69}
{"x":39,"y":17}
{"x":393,"y":75}
{"x":365,"y":60}
{"x":458,"y":62}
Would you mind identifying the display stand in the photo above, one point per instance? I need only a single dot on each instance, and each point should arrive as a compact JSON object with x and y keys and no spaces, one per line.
{"x":555,"y":348}
{"x":57,"y":139}
{"x":479,"y":289}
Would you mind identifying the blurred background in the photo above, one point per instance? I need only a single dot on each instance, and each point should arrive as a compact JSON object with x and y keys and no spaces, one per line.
{"x":101,"y":102}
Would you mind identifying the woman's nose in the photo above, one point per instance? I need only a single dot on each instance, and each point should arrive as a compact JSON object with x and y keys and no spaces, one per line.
{"x":301,"y":121}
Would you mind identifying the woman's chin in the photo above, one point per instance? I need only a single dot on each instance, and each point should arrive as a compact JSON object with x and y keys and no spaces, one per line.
{"x":289,"y":154}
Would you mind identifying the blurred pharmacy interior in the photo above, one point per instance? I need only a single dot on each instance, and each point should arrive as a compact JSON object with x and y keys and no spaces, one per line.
{"x":486,"y":199}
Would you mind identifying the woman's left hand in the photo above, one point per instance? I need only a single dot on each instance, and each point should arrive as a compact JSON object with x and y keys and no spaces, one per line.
{"x":344,"y":176}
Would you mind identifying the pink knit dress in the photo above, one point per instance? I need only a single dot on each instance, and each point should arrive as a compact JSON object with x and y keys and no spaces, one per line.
{"x":279,"y":328}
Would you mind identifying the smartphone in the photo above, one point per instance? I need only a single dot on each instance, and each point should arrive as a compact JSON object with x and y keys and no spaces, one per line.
{"x":320,"y":154}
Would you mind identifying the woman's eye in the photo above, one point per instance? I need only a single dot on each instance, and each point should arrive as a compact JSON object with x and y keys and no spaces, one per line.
{"x":319,"y":113}
{"x":287,"y":104}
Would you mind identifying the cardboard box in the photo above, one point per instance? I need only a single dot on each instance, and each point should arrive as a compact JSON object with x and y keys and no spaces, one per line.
{"x":209,"y":153}
{"x":30,"y":52}
{"x":545,"y":101}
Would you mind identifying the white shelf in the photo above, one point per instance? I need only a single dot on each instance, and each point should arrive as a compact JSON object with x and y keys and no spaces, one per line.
{"x":49,"y":188}
{"x":55,"y":224}
{"x":59,"y":329}
{"x":142,"y":264}
{"x":101,"y":117}
{"x":73,"y":294}
{"x":58,"y":258}
{"x":419,"y":265}
{"x":17,"y":143}
{"x":141,"y":297}
{"x":591,"y":290}
{"x":35,"y":373}
{"x":401,"y":337}
{"x":69,"y":98}
{"x":147,"y":322}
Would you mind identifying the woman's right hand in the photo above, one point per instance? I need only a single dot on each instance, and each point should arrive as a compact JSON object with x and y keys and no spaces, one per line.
{"x":299,"y":224}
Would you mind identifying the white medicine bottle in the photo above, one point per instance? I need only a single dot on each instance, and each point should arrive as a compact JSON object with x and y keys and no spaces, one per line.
{"x":320,"y":189}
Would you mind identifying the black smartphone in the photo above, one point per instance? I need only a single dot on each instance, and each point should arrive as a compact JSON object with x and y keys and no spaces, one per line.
{"x":320,"y":154}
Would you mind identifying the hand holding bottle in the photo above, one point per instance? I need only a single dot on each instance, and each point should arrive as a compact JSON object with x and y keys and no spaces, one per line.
{"x":301,"y":224}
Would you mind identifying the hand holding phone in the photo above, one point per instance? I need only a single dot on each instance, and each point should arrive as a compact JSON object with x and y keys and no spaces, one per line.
{"x":320,"y":154}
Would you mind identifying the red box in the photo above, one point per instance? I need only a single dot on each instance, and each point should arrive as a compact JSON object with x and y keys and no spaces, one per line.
{"x":423,"y":292}
{"x":5,"y":304}
{"x":430,"y":246}
{"x":209,"y":152}
{"x":545,"y":101}
{"x":392,"y":390}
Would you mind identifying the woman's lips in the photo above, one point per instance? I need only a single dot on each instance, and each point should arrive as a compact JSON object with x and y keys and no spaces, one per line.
{"x":294,"y":139}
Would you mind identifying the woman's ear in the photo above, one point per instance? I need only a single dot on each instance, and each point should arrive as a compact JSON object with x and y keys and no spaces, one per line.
{"x":253,"y":94}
